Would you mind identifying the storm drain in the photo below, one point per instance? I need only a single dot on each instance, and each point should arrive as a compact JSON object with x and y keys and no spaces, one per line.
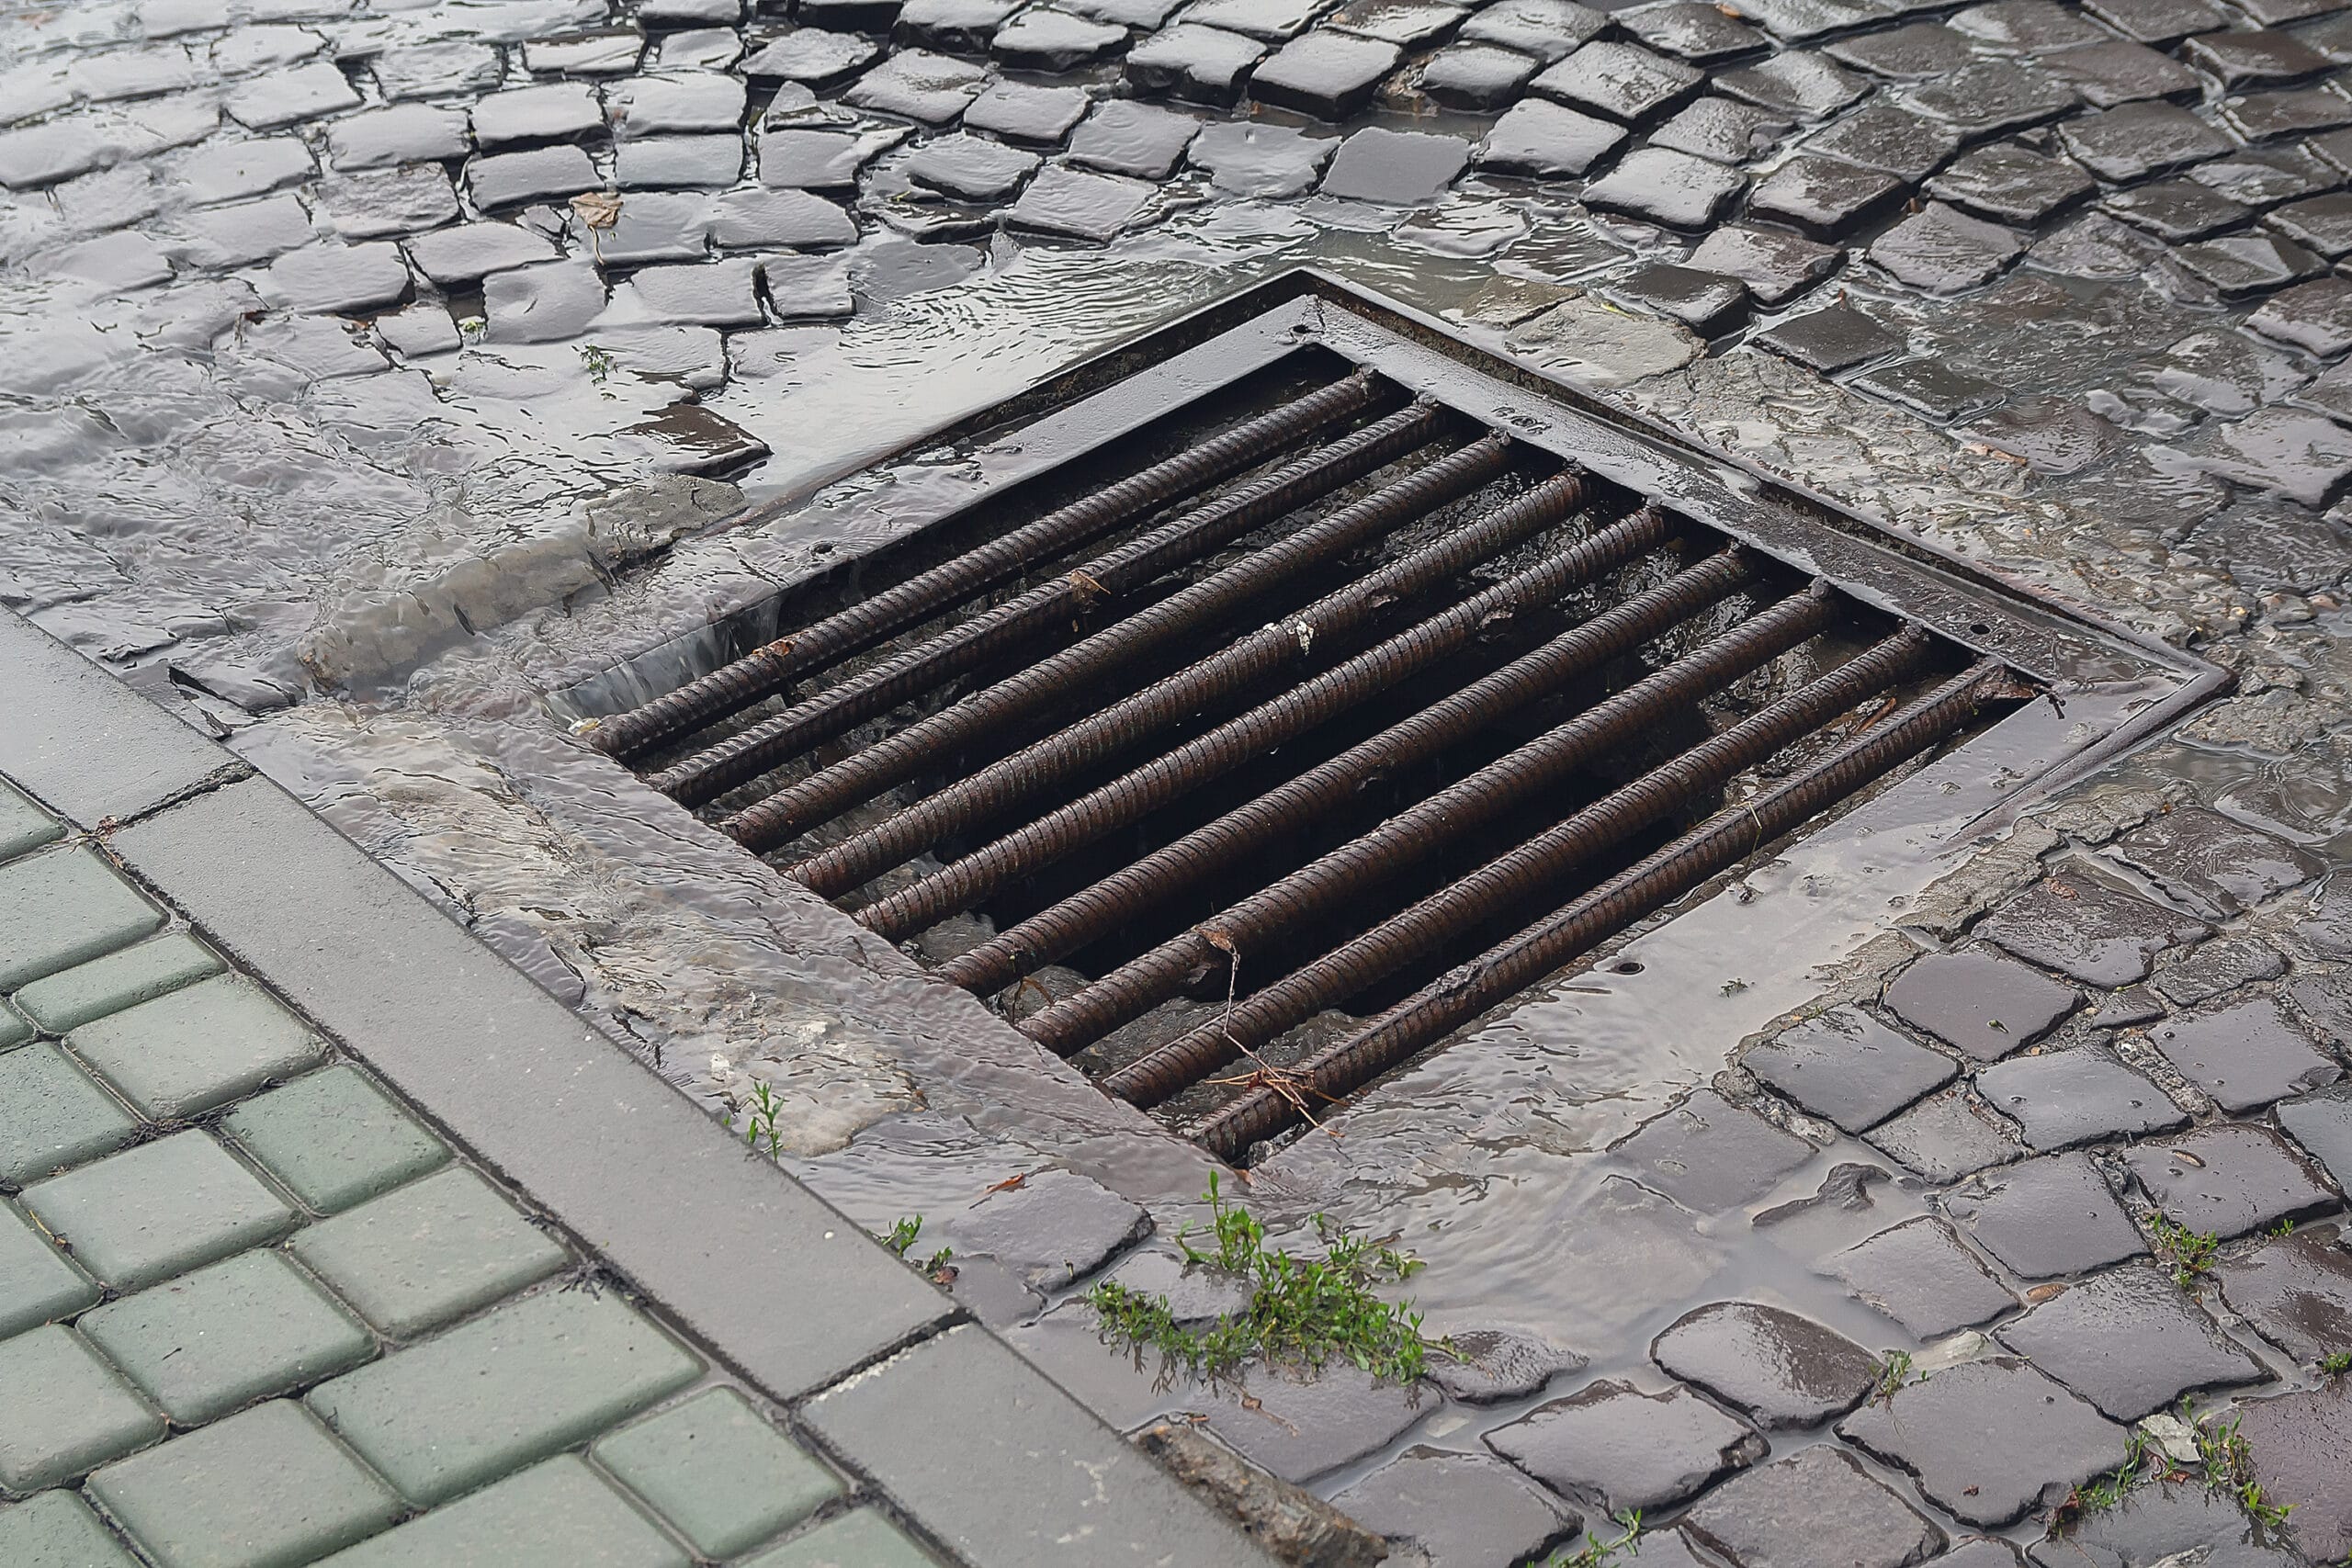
{"x":1311,"y":686}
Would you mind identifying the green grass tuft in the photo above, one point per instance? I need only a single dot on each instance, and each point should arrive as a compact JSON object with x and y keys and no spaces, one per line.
{"x":2189,"y":1252}
{"x":1303,"y":1311}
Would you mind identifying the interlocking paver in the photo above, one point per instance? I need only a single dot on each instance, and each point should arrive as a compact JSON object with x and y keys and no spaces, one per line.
{"x":333,"y":1138}
{"x":66,"y":1411}
{"x":63,"y":907}
{"x":428,"y":1252}
{"x":119,"y":980}
{"x":554,"y":1514}
{"x":158,"y":1209}
{"x":724,"y":1478}
{"x":57,"y":1530}
{"x":38,"y":1285}
{"x":24,"y":826}
{"x":182,"y":1054}
{"x":508,"y":1388}
{"x":863,"y":1536}
{"x":243,"y":1329}
{"x":267,"y":1488}
{"x":53,"y":1116}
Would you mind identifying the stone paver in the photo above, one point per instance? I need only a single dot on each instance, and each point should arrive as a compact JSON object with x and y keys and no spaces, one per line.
{"x":2226,"y":1180}
{"x":1707,"y":1153}
{"x":721,"y":1476}
{"x":67,"y":1411}
{"x":1849,"y":1067}
{"x":205,"y":1343}
{"x":57,"y":1530}
{"x":2297,"y":1443}
{"x":197,"y":1048}
{"x":38,"y":1285}
{"x":424,"y":1254}
{"x":261,"y":1489}
{"x":1920,"y":1275}
{"x":2246,"y":1054}
{"x":498,"y":1392}
{"x":54,"y":1116}
{"x":2296,"y":1290}
{"x":2182,"y":1523}
{"x":1772,"y":1366}
{"x":2047,"y":1216}
{"x":1980,"y":1001}
{"x":862,"y":1537}
{"x":2129,"y":1342}
{"x":158,"y":1209}
{"x":2061,"y":1099}
{"x":61,"y":908}
{"x":1614,"y":1447}
{"x":551,"y":1516}
{"x":1459,"y":1507}
{"x":2087,"y":930}
{"x":1990,"y":1440}
{"x":1814,"y":1507}
{"x":118,"y":980}
{"x":333,"y":1138}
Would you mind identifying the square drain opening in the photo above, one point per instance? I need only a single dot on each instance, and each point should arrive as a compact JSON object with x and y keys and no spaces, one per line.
{"x":1300,"y":683}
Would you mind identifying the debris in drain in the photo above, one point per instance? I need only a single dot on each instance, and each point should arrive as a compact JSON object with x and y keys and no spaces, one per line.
{"x":1340,"y":700}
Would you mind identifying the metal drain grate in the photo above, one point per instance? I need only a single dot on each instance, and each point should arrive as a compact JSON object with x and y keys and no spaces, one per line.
{"x":1301,"y":707}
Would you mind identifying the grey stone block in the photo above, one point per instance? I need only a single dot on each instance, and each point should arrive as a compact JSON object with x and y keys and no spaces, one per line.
{"x":1041,"y":1481}
{"x":87,"y":743}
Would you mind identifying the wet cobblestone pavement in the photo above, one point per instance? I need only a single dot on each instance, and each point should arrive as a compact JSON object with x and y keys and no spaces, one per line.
{"x":326,"y":332}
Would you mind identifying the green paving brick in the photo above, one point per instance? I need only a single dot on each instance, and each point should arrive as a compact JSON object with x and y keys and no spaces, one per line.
{"x":556,"y":1515}
{"x":57,"y":1530}
{"x":36,"y":1284}
{"x":53,"y":1116}
{"x":15,"y":1027}
{"x":159,"y":1210}
{"x":494,"y":1394}
{"x":267,"y":1488}
{"x":117,"y":981}
{"x":65,"y":1410}
{"x":723,"y":1477}
{"x":183,"y":1054}
{"x":207,"y":1342}
{"x":64,"y":907}
{"x":23,"y":825}
{"x":333,"y":1138}
{"x":428,"y":1252}
{"x":860,"y":1540}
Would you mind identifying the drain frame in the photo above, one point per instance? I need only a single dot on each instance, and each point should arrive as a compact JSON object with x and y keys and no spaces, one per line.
{"x":2110,"y":687}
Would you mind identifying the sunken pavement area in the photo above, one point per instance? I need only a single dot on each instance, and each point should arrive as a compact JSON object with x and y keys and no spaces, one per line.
{"x":299,"y":300}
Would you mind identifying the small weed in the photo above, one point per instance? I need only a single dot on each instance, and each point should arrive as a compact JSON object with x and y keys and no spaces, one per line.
{"x":901,"y":1235}
{"x":2143,"y":1461}
{"x":2189,"y":1252}
{"x":938,"y":1261}
{"x":1893,"y":1373}
{"x":1301,"y":1310}
{"x":1600,"y":1553}
{"x":760,"y":1120}
{"x":2284,"y":1227}
{"x":472,"y":329}
{"x":1733,"y":986}
{"x":2229,"y":1468}
{"x":599,"y":361}
{"x":2336,"y":1364}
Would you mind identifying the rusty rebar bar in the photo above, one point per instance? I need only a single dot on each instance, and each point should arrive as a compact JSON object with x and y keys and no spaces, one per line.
{"x":1274,"y":723}
{"x":1469,"y":989}
{"x":769,"y":668}
{"x":1046,"y":608}
{"x":922,"y":746}
{"x":1352,"y":870}
{"x":1008,"y":781}
{"x":1511,"y":878}
{"x":1290,"y":808}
